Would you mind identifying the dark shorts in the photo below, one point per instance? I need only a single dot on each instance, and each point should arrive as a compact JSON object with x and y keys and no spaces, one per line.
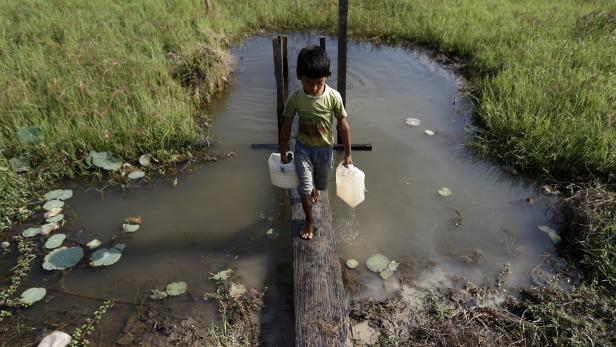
{"x":312,"y":165}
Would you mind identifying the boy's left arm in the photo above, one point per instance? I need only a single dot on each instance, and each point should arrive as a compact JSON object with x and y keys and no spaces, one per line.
{"x":345,"y":132}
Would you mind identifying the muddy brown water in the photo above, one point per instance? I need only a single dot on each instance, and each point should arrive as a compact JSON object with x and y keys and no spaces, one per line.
{"x":216,"y":217}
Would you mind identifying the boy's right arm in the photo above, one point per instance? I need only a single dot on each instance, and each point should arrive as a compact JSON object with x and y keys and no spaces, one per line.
{"x":283,"y":138}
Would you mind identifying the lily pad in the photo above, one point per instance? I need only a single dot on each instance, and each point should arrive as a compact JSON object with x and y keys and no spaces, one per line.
{"x":392,"y":266}
{"x":53,"y":212}
{"x":58,"y":194}
{"x":222,"y":275}
{"x":106,"y":256}
{"x":429,"y":132}
{"x":104,"y":160}
{"x":145,"y":160}
{"x":414,"y":122}
{"x":55,"y":241}
{"x":176,"y":288}
{"x":31,"y":232}
{"x":157,"y":294}
{"x":272,"y":233}
{"x":236,"y":290}
{"x":377,"y":262}
{"x":29,"y":135}
{"x":130,"y":228}
{"x":352,"y":263}
{"x":62,"y":258}
{"x":93,"y":244}
{"x":445,"y":192}
{"x":55,"y":219}
{"x":49,"y":227}
{"x":32,"y":295}
{"x":5,"y":245}
{"x":136,"y":175}
{"x":19,"y":164}
{"x":552,"y":234}
{"x":51,"y":204}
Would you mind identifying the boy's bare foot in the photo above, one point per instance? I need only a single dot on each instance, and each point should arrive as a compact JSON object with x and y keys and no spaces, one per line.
{"x":316,"y":195}
{"x":306,"y":232}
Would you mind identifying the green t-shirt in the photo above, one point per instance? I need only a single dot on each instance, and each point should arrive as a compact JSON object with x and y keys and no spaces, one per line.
{"x":315,"y":115}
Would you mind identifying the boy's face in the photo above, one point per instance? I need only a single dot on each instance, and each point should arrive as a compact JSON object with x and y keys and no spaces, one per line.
{"x":313,"y":86}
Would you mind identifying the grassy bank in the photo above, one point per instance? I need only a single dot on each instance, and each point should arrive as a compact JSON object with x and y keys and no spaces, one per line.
{"x":130,"y":77}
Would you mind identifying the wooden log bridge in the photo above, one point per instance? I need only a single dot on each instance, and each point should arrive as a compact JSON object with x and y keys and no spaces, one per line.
{"x":321,"y":315}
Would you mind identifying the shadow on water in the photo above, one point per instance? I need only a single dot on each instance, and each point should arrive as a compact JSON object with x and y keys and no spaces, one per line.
{"x":216,"y":217}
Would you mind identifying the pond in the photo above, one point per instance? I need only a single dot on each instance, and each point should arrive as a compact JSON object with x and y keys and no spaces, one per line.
{"x":217,"y":216}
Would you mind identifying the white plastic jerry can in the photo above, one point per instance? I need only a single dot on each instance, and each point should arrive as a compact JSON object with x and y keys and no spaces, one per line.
{"x":282,"y":175}
{"x":350,"y":185}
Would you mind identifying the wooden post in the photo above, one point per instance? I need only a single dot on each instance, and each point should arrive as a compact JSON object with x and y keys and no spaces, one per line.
{"x":276,"y":45}
{"x":343,"y":11}
{"x":285,"y":67}
{"x":322,"y":42}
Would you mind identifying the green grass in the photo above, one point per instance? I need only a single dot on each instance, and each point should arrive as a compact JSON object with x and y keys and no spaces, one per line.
{"x":130,"y":77}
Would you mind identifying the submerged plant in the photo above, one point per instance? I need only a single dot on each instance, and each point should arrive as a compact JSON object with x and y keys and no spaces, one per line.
{"x":80,"y":335}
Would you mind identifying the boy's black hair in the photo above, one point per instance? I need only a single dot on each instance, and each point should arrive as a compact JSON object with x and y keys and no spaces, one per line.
{"x":313,"y":62}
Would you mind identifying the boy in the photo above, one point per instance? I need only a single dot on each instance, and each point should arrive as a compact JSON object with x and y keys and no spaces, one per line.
{"x":315,"y":102}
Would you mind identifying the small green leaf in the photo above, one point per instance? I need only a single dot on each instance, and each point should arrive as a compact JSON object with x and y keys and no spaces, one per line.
{"x":157,"y":294}
{"x":352,"y":263}
{"x":53,"y":212}
{"x":29,"y":135}
{"x":552,"y":234}
{"x":445,"y":192}
{"x":136,"y":175}
{"x":93,"y":244}
{"x":51,"y":204}
{"x":104,"y":160}
{"x":55,"y":219}
{"x":62,"y":258}
{"x":106,"y":256}
{"x":176,"y":288}
{"x":58,"y":194}
{"x":49,"y":227}
{"x":377,"y":262}
{"x":130,"y":228}
{"x":32,"y":295}
{"x":222,"y":275}
{"x":392,"y":266}
{"x":19,"y":164}
{"x":55,"y":241}
{"x":31,"y":232}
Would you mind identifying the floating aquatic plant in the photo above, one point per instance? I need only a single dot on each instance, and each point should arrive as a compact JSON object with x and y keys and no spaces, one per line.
{"x":222,"y":275}
{"x":62,"y":258}
{"x":55,"y":241}
{"x":55,"y":219}
{"x":49,"y":227}
{"x":29,"y":135}
{"x":414,"y":122}
{"x":93,"y":243}
{"x":31,"y":232}
{"x":176,"y":288}
{"x":53,"y":212}
{"x":130,"y":228}
{"x":58,"y":194}
{"x":445,"y":192}
{"x":157,"y":294}
{"x":145,"y":160}
{"x":19,"y":164}
{"x":136,"y":175}
{"x":377,"y":262}
{"x":106,"y":256}
{"x":104,"y":160}
{"x":352,"y":263}
{"x":51,"y":204}
{"x":32,"y":295}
